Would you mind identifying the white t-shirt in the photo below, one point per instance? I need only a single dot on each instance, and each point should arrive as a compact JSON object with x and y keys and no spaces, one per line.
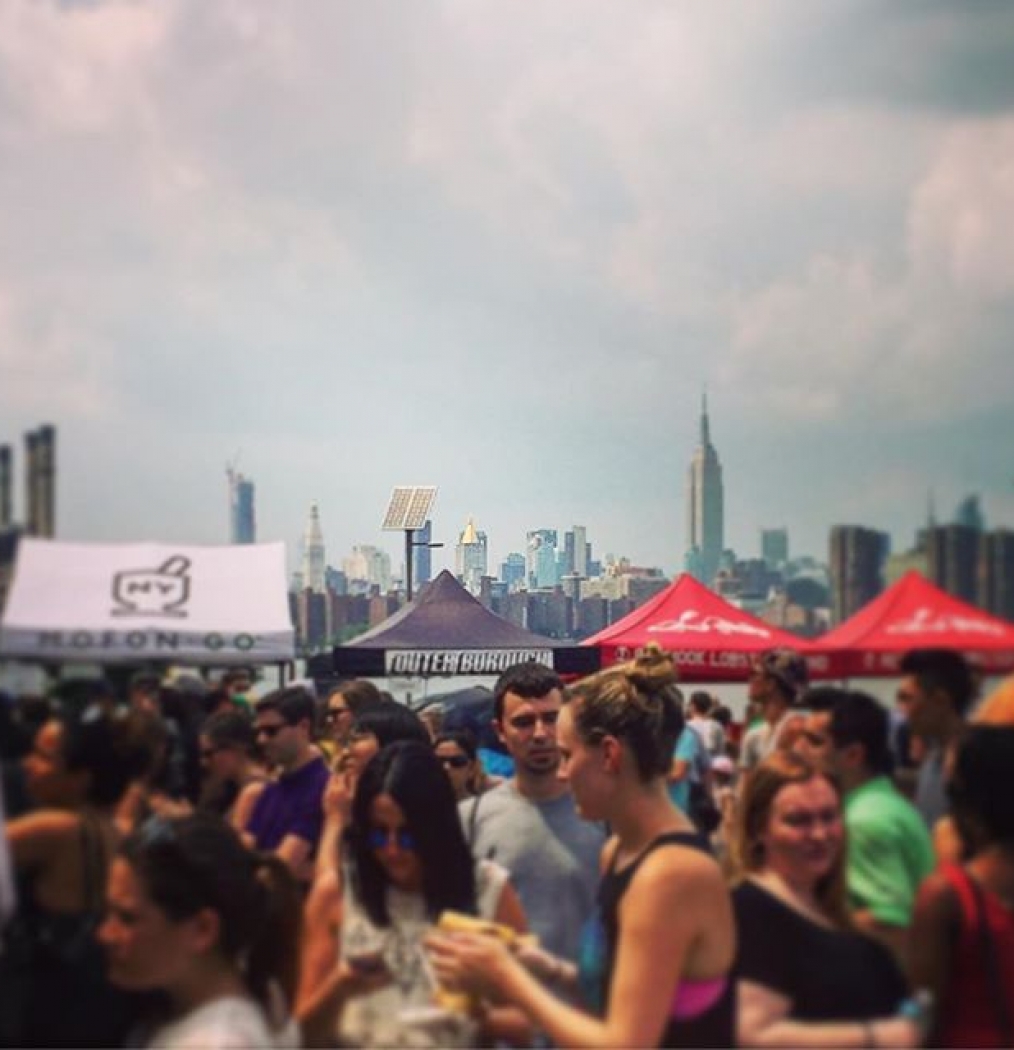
{"x":373,"y":1020}
{"x":231,"y":1023}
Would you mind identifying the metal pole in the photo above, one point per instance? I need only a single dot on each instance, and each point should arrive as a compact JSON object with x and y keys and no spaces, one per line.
{"x":408,"y":564}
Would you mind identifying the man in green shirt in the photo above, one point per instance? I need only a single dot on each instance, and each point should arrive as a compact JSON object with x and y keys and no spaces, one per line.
{"x":889,"y":848}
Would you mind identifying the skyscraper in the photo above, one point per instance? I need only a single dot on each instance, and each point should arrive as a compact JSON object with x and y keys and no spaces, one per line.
{"x":422,"y":559}
{"x":470,"y":557}
{"x":996,"y":573}
{"x":775,"y":547}
{"x":540,"y":560}
{"x":858,"y":557}
{"x":313,"y":554}
{"x":952,"y":554}
{"x":242,"y":519}
{"x":40,"y":482}
{"x":705,"y":515}
{"x":6,"y":482}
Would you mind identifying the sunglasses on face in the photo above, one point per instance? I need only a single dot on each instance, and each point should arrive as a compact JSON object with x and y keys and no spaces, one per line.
{"x":269,"y":731}
{"x":454,"y":761}
{"x":378,"y":838}
{"x":334,"y":713}
{"x":547,"y":718}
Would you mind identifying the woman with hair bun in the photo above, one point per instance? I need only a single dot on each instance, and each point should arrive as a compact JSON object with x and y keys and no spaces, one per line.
{"x":193,"y":914}
{"x":655,"y":962}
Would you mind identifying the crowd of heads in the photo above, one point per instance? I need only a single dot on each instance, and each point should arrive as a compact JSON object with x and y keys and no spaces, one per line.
{"x":192,"y":879}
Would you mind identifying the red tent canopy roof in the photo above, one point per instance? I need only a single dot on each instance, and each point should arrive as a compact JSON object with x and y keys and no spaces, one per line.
{"x":914,"y":614}
{"x":712,"y":639}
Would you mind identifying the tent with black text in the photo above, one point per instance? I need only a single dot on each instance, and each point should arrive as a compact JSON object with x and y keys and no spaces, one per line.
{"x":144,"y":602}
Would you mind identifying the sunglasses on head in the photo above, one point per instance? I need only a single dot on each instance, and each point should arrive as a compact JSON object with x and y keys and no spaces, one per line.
{"x":547,"y":718}
{"x":378,"y":838}
{"x":454,"y":761}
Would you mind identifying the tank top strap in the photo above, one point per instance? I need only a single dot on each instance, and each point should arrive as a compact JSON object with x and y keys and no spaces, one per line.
{"x":690,"y":839}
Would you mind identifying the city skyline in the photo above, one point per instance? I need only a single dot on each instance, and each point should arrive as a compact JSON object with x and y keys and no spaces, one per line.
{"x":449,"y":245}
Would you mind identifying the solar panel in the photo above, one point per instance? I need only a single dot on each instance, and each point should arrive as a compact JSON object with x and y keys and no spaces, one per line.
{"x":409,"y":507}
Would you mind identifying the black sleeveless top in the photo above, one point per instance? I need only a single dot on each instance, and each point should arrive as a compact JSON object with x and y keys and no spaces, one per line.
{"x":713,"y":1026}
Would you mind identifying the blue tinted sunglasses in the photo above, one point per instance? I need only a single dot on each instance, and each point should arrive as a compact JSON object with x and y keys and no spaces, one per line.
{"x":378,"y":838}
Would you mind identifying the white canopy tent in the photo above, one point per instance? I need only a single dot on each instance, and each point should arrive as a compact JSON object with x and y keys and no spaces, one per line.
{"x":144,"y":602}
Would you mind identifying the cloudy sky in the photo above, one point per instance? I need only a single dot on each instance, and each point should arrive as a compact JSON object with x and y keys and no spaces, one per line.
{"x":501,"y":247}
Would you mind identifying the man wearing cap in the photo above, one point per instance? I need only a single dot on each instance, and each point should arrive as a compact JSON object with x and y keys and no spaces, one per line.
{"x":778,"y":678}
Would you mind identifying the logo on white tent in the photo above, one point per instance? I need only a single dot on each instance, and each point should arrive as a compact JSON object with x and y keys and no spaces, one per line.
{"x":689,"y":622}
{"x":153,"y":592}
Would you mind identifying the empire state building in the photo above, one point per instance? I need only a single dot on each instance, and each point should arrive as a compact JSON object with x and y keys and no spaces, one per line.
{"x":705,"y":528}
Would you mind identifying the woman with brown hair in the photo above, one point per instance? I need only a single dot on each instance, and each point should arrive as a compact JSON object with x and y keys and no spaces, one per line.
{"x":805,"y":977}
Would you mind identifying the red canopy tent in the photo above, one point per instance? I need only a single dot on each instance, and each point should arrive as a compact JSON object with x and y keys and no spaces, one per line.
{"x":711,"y":639}
{"x":914,"y":614}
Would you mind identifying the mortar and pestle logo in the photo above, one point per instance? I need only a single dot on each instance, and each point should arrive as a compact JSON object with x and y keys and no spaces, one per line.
{"x":153,"y":592}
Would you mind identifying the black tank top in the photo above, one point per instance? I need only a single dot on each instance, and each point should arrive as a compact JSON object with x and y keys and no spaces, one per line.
{"x":714,"y":1026}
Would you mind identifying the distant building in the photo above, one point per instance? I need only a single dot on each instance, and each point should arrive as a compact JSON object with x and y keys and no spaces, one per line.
{"x":996,"y":573}
{"x":313,"y":553}
{"x":367,"y":567}
{"x":512,"y":571}
{"x":470,"y":557}
{"x":540,"y":565}
{"x":858,"y":556}
{"x":422,"y":556}
{"x":6,"y":489}
{"x":705,"y":509}
{"x":775,"y":547}
{"x":969,"y":514}
{"x":242,"y":517}
{"x":576,"y":551}
{"x":312,"y":624}
{"x":952,"y":559}
{"x":40,"y":482}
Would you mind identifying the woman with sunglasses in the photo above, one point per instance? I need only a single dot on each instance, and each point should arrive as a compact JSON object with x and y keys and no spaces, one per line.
{"x":406,"y":862}
{"x":192,"y":914}
{"x":655,"y":963}
{"x":458,"y":754}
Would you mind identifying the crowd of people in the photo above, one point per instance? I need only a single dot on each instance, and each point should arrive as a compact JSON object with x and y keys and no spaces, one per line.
{"x":187,"y":866}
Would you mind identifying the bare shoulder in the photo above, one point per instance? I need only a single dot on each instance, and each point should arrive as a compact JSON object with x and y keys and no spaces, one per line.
{"x":52,"y":825}
{"x":937,"y":896}
{"x":36,"y":838}
{"x":679,"y":869}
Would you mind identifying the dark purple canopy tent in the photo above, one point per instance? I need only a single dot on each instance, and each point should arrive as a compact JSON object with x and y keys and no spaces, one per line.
{"x":446,"y":631}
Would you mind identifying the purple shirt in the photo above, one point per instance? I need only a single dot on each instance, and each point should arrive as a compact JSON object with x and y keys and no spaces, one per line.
{"x":291,"y":805}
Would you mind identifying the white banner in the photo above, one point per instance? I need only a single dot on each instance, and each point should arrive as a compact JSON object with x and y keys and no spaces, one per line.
{"x":143,"y":601}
